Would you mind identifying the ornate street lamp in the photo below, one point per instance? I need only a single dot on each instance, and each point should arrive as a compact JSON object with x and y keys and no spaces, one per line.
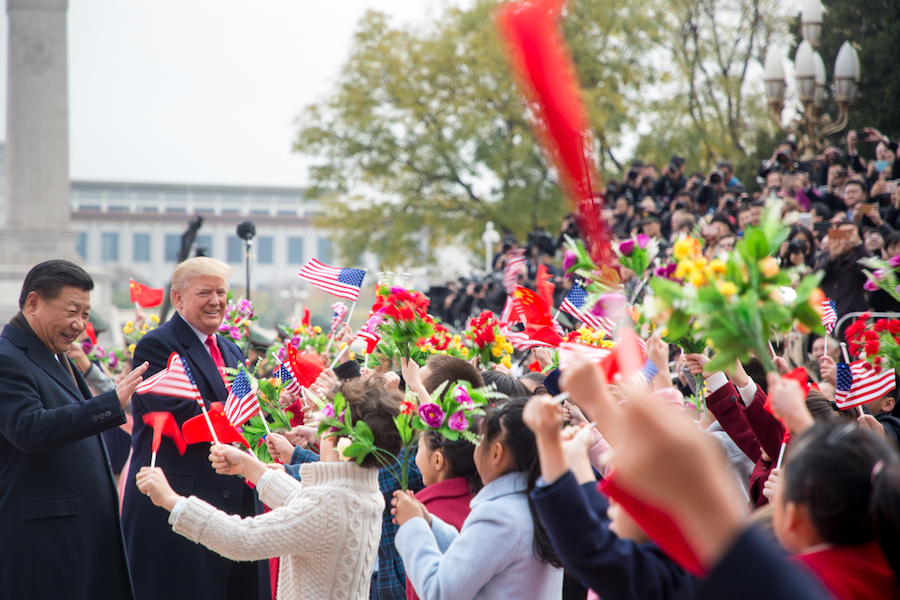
{"x":811,"y":128}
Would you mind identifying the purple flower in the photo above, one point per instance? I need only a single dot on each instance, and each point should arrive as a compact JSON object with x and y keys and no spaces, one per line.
{"x":461,"y":395}
{"x":295,"y":342}
{"x":569,"y":260}
{"x":340,"y":418}
{"x":458,"y":421}
{"x":245,"y":307}
{"x":99,"y":352}
{"x":113,"y":361}
{"x":432,"y":415}
{"x":87,"y":346}
{"x":894,"y":261}
{"x":235,"y":333}
{"x":879,"y":274}
{"x":870,"y":286}
{"x":666,"y":272}
{"x":608,"y":305}
{"x":328,"y":411}
{"x":642,"y":240}
{"x":626,"y":247}
{"x":281,"y":354}
{"x":223,"y":327}
{"x":397,"y":290}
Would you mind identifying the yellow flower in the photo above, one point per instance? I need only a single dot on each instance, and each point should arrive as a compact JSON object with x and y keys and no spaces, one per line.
{"x":465,"y":351}
{"x":131,"y":349}
{"x":682,"y":248}
{"x":317,"y":329}
{"x":128,"y":329}
{"x":129,"y":324}
{"x":155,"y":319}
{"x":496,"y":351}
{"x":697,"y":279}
{"x":506,"y":361}
{"x":717,"y":267}
{"x":701,"y":263}
{"x":726,"y":288}
{"x":144,"y":328}
{"x":768,"y":267}
{"x":684,"y":269}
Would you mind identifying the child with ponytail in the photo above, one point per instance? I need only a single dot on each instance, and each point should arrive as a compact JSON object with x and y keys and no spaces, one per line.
{"x":502,"y":550}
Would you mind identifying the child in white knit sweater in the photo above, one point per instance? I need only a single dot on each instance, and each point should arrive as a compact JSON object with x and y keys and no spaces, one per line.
{"x":326,"y":528}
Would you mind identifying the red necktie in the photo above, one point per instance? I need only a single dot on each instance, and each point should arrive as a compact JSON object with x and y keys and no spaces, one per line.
{"x":216,"y":355}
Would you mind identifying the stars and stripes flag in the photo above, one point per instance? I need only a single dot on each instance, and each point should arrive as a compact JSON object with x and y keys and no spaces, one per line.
{"x":568,"y":350}
{"x":575,"y":304}
{"x":174,"y":380}
{"x":858,"y":383}
{"x":339,"y":312}
{"x":286,"y":374}
{"x":521,"y":341}
{"x":643,"y":377}
{"x":514,"y":261}
{"x":242,"y":402}
{"x":369,"y":332}
{"x":829,"y":315}
{"x":343,"y":283}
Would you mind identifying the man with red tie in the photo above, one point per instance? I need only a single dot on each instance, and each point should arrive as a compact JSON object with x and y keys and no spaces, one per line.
{"x":165,"y":565}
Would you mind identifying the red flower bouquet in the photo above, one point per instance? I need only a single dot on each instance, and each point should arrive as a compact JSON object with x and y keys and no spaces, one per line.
{"x":486,"y":340}
{"x":880,"y":342}
{"x":406,"y":319}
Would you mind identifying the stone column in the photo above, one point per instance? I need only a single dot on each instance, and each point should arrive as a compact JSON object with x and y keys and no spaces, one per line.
{"x":36,"y":225}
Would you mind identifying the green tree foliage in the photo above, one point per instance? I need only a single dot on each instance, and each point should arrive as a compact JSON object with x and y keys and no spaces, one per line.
{"x":425,"y":137}
{"x":873,"y":27}
{"x":712,"y":108}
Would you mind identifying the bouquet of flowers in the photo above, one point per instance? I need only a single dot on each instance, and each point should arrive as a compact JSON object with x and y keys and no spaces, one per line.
{"x":443,"y":342}
{"x":267,"y":392}
{"x":406,"y":319}
{"x":591,"y":337}
{"x":880,"y":342}
{"x":112,"y":361}
{"x":736,"y":305}
{"x":134,"y":332}
{"x":637,"y":253}
{"x":236,"y":324}
{"x":486,"y":340}
{"x":882,"y":275}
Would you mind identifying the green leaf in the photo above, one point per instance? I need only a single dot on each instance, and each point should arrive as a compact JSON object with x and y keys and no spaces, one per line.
{"x":678,"y":325}
{"x":364,"y":433}
{"x":357,"y":450}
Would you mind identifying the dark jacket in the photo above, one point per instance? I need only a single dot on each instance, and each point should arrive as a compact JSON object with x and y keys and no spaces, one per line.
{"x":164,"y":564}
{"x":576,"y":521}
{"x":844,"y":279}
{"x":59,"y":518}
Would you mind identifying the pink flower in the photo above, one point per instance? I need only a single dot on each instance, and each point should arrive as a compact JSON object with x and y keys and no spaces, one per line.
{"x":328,"y":411}
{"x":458,"y":421}
{"x":608,"y":305}
{"x":666,"y":272}
{"x":87,"y":346}
{"x":224,"y":326}
{"x":870,"y":286}
{"x":461,"y":395}
{"x":569,"y":260}
{"x":235,"y":333}
{"x":626,"y":247}
{"x":99,"y":352}
{"x":281,"y":354}
{"x":245,"y":308}
{"x":642,"y":240}
{"x":894,"y":261}
{"x":113,"y":361}
{"x":879,"y":274}
{"x":432,"y":415}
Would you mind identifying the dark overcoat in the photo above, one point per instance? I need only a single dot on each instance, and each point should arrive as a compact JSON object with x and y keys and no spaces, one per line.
{"x":165,"y":565}
{"x":60,"y":535}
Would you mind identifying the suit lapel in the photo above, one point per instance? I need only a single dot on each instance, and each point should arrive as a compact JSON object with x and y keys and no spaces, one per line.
{"x":41,"y":356}
{"x":199,"y":357}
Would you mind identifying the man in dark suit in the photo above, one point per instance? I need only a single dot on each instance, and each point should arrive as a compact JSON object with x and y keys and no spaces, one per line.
{"x":59,"y":517}
{"x":164,"y":565}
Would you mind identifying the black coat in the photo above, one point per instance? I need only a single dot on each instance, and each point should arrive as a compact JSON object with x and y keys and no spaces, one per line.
{"x":165,"y":565}
{"x":59,"y":512}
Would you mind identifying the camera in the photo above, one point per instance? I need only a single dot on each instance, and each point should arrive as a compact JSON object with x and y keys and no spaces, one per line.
{"x":783,"y":157}
{"x":679,"y":206}
{"x":716,"y":177}
{"x":632,"y":174}
{"x":730,"y":204}
{"x":796,"y":247}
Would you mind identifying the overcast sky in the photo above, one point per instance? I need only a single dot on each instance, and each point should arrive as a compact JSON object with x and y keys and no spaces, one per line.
{"x":202,"y":91}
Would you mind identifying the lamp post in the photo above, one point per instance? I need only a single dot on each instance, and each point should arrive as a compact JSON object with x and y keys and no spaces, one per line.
{"x":811,"y":128}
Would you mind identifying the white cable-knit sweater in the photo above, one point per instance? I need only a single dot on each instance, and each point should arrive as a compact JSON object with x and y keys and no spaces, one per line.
{"x":326,"y":530}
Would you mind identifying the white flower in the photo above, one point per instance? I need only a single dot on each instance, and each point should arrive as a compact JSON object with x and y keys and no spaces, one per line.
{"x":343,"y":444}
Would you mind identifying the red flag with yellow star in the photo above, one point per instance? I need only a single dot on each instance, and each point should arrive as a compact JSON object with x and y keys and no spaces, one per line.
{"x":144,"y":295}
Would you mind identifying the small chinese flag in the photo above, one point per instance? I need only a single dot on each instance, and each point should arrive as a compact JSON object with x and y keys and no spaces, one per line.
{"x":143,"y":295}
{"x":163,"y":424}
{"x":196,"y":430}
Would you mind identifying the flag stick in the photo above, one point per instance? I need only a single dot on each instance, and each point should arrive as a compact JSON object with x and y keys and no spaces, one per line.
{"x":826,"y":343}
{"x":556,"y":316}
{"x":265,"y":423}
{"x":153,"y":459}
{"x":781,"y":455}
{"x":338,"y":357}
{"x":209,"y":424}
{"x":846,"y":354}
{"x":772,"y":350}
{"x":366,"y":365}
{"x":348,"y":315}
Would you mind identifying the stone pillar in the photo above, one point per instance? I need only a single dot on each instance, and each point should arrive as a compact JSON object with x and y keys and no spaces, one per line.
{"x":36,"y":225}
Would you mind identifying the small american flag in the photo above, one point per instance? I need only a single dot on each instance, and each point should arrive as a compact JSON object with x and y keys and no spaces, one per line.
{"x":242,"y":402}
{"x":829,"y":315}
{"x":514,"y":261}
{"x":858,"y":383}
{"x":286,"y":374}
{"x":521,"y":341}
{"x":575,"y":303}
{"x":174,"y":380}
{"x":343,"y":283}
{"x":340,"y":311}
{"x":643,"y":377}
{"x":568,"y":350}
